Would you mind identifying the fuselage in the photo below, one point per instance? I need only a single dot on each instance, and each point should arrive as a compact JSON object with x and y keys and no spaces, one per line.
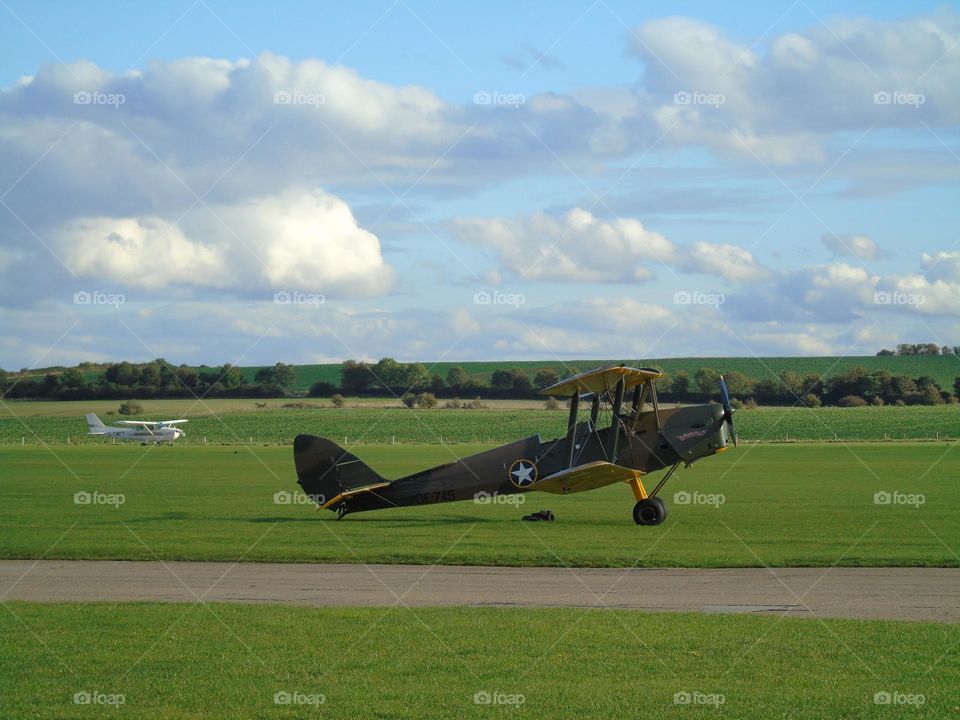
{"x":166,"y":434}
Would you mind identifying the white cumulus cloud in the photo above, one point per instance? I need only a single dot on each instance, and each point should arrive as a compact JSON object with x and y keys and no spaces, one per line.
{"x":302,"y":240}
{"x":578,"y":246}
{"x":858,"y":246}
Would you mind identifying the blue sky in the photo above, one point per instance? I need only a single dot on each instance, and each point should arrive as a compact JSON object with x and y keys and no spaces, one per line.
{"x":468,"y":182}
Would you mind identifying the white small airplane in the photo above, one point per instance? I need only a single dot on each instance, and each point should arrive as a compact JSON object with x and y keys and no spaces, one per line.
{"x":145,"y":431}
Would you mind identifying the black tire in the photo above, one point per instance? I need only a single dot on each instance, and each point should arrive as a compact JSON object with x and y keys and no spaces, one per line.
{"x":651,"y":511}
{"x":657,"y":499}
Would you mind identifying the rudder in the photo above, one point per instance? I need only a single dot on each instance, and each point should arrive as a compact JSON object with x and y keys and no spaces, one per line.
{"x":326,"y":469}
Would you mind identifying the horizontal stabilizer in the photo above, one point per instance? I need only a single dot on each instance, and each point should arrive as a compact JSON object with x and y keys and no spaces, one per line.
{"x":351,"y":493}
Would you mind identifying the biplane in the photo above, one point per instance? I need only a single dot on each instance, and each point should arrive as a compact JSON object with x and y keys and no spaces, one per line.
{"x":624,"y":435}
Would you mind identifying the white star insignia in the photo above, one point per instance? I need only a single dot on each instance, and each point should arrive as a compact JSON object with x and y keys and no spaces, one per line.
{"x":524,"y":474}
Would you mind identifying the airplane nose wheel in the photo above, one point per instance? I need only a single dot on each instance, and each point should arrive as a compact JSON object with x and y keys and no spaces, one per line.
{"x":651,"y":511}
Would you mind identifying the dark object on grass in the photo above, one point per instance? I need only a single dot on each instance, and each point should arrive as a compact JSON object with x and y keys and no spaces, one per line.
{"x":545,"y":515}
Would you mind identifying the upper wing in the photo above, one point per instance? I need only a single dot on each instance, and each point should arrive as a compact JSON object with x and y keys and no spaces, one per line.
{"x":602,"y":379}
{"x":145,"y":423}
{"x":174,"y":422}
{"x":589,"y":476}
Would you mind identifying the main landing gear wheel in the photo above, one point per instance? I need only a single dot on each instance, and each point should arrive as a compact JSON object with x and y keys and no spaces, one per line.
{"x":651,"y":511}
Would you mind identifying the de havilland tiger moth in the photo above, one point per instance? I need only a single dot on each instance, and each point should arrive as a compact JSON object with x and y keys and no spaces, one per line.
{"x":620,"y":443}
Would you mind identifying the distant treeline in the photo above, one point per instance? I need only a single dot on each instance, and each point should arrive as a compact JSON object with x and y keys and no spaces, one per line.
{"x":911,"y":349}
{"x":855,"y":386}
{"x":156,"y":379}
{"x":159,"y":379}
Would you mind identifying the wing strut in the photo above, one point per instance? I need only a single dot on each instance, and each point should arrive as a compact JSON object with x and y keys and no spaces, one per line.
{"x":663,"y":480}
{"x":616,"y":421}
{"x":572,"y":427}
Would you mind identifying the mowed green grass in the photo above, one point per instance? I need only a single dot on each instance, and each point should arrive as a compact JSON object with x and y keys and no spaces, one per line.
{"x":239,"y":421}
{"x":781,"y":505}
{"x":232,"y":661}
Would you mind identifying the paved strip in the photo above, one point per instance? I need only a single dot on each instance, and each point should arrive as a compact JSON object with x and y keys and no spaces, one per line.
{"x":871,"y":593}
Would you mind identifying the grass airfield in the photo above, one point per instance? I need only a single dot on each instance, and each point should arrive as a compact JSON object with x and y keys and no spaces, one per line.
{"x":383,"y":421}
{"x":782,"y":505}
{"x":778,"y":505}
{"x":245,"y":661}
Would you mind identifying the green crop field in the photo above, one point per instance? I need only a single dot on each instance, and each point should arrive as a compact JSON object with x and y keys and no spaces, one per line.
{"x":243,"y":661}
{"x":241,"y":421}
{"x":777,"y":504}
{"x":943,"y":368}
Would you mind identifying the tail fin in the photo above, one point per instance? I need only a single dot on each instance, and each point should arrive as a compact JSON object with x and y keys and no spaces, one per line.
{"x":95,"y":426}
{"x":326,"y":469}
